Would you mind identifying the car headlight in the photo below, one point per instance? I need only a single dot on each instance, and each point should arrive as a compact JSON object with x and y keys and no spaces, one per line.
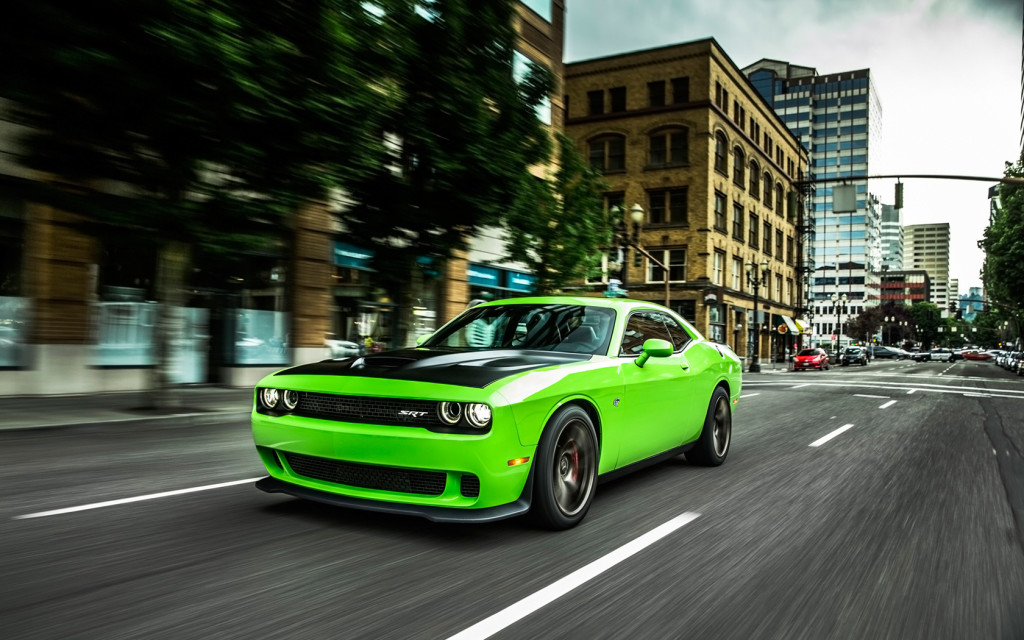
{"x":290,"y":399}
{"x":478,"y":415}
{"x":269,"y":397}
{"x":449,"y":412}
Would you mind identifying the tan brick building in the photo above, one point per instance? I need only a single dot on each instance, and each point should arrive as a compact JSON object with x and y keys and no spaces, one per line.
{"x":679,"y":131}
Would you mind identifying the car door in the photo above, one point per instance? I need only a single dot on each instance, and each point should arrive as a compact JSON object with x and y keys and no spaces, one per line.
{"x":654,"y":396}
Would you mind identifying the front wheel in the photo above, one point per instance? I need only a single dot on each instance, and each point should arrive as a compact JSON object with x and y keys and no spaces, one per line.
{"x":713,"y":445}
{"x":566,"y":469}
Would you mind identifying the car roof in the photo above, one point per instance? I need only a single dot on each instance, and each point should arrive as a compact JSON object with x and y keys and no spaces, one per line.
{"x":623,"y":304}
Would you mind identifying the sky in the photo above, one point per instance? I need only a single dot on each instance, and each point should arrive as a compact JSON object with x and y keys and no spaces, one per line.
{"x":947,"y":74}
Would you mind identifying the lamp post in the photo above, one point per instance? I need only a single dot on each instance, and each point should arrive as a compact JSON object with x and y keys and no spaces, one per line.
{"x":630,"y":237}
{"x":839,"y":302}
{"x":885,"y":329}
{"x":756,"y":278}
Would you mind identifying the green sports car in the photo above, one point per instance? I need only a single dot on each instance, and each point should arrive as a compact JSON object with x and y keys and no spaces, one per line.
{"x":514,"y":406}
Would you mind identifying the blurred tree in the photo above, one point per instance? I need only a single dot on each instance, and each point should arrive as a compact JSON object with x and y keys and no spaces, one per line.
{"x":1003,"y":244}
{"x":558,"y":226}
{"x":193,"y":128}
{"x":463,"y":131}
{"x":927,"y":320}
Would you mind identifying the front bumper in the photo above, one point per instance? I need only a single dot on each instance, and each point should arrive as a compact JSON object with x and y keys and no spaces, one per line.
{"x":400,"y":469}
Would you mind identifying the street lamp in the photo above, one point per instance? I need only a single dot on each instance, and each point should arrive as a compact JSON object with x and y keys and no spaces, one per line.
{"x":631,"y":238}
{"x":756,"y":278}
{"x":839,"y":302}
{"x":886,"y":330}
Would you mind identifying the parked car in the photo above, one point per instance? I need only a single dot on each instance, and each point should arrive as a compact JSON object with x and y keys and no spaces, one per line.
{"x":853,"y":355}
{"x":811,"y":358}
{"x":514,"y":406}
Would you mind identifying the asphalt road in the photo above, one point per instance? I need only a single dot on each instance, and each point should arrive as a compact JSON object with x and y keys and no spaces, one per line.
{"x":908,"y":522}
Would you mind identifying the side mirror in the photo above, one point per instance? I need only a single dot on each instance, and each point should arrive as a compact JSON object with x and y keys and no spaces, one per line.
{"x":420,"y":340}
{"x":654,"y":348}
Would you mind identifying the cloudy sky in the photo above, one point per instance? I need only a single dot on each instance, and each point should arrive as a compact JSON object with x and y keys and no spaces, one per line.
{"x":948,"y":75}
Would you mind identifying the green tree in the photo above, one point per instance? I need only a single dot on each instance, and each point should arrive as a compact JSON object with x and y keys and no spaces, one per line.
{"x":1003,"y":244}
{"x":193,"y":129}
{"x":927,"y":320}
{"x":559,"y":226}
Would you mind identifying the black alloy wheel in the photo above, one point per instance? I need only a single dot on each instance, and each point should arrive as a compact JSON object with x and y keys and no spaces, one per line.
{"x":566,"y":473}
{"x":715,"y":439}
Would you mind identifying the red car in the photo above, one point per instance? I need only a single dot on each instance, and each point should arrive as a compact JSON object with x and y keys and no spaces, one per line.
{"x":977,"y":355}
{"x":810,"y":359}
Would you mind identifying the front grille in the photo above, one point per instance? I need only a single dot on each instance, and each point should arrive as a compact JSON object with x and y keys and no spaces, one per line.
{"x":368,"y":476}
{"x":470,"y":485}
{"x":388,"y":411}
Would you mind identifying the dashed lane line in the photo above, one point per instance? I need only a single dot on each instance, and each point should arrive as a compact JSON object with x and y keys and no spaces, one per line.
{"x":824,"y":439}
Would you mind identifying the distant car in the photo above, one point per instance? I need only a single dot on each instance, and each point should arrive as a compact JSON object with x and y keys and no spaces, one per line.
{"x":853,"y":355}
{"x":813,"y":358}
{"x":977,"y":355}
{"x":343,"y":348}
{"x":514,"y":406}
{"x":887,"y":353}
{"x":920,"y":356}
{"x":940,"y":355}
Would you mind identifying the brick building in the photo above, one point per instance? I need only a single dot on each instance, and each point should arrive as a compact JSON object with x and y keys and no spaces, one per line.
{"x":680,"y":131}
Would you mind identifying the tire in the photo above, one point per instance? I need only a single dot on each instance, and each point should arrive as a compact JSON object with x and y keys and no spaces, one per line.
{"x":716,"y":437}
{"x":566,"y":469}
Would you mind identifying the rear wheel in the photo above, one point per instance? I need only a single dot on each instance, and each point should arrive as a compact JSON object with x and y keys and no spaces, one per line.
{"x":715,"y":438}
{"x":566,"y":471}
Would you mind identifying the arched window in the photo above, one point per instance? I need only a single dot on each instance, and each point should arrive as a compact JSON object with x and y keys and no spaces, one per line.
{"x":721,"y":161}
{"x":779,"y":200}
{"x":767,"y":184}
{"x":755,"y":179}
{"x":608,"y":153}
{"x":739,"y":167}
{"x":669,"y":147}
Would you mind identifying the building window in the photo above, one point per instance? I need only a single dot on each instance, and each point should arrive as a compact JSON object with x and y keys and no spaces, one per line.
{"x":755,"y":184}
{"x":778,"y":287}
{"x":767,"y":183}
{"x":778,"y":244}
{"x":778,"y":198}
{"x":737,"y":274}
{"x":737,"y":221}
{"x":656,"y":93}
{"x":676,"y":261}
{"x":618,"y":99}
{"x":608,"y":153}
{"x":789,"y":250}
{"x":720,"y":211}
{"x":767,"y":238}
{"x":718,"y":269}
{"x":667,"y":206}
{"x":754,"y":230}
{"x":669,"y":148}
{"x":739,"y":167}
{"x":680,"y":90}
{"x":721,"y":162}
{"x":595,"y":102}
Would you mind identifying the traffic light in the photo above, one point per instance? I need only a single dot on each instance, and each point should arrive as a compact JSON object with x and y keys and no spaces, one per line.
{"x":899,"y":196}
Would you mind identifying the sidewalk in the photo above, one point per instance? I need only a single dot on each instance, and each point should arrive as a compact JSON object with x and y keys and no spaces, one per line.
{"x":195,"y":405}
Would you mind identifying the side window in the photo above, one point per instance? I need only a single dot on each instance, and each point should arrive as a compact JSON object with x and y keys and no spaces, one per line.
{"x":679,"y":335}
{"x":642,"y":326}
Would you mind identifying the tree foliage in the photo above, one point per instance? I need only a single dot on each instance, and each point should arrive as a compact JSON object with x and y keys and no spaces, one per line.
{"x":1003,"y":244}
{"x":558,"y":226}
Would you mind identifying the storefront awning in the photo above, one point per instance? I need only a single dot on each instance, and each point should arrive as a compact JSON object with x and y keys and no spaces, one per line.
{"x":802,"y":325}
{"x":783,"y":324}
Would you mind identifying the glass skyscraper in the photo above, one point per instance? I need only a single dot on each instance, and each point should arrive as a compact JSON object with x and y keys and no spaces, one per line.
{"x":836,"y":117}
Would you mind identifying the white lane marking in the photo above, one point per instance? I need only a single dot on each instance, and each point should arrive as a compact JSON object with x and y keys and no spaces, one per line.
{"x":152,"y":496}
{"x":750,"y":395}
{"x":977,"y":395}
{"x":864,"y":395}
{"x":513,"y":613}
{"x":887,"y":404}
{"x":821,"y":441}
{"x":911,"y":391}
{"x":800,"y":386}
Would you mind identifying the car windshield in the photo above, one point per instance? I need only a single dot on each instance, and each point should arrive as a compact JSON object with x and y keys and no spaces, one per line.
{"x":852,"y":351}
{"x":546,"y":327}
{"x":808,"y":352}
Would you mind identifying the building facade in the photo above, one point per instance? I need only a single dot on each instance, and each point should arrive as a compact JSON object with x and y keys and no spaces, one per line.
{"x":78,"y":311}
{"x":927,"y":248}
{"x":683,"y":138}
{"x":836,"y":117}
{"x":892,"y":238}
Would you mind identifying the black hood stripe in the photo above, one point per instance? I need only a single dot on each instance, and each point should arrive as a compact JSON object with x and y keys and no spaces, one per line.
{"x":443,"y":366}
